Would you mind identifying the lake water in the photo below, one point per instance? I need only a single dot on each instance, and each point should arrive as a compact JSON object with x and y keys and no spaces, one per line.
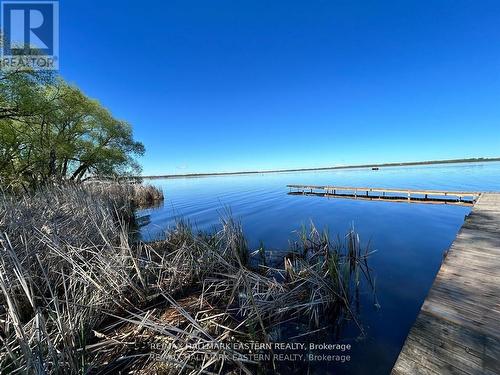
{"x":410,"y":239}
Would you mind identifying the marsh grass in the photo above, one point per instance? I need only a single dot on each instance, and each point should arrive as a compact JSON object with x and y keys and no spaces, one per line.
{"x":140,"y":195}
{"x":79,"y":296}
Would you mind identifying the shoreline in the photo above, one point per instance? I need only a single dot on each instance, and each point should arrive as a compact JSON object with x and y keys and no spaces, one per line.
{"x":382,"y":165}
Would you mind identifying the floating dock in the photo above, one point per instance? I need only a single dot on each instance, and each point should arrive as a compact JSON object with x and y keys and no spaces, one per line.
{"x":384,"y":194}
{"x":458,"y":328}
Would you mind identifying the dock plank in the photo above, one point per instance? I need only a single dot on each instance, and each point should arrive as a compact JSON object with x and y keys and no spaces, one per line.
{"x":458,"y":328}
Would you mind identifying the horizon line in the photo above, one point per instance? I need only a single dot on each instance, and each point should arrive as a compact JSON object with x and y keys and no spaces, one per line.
{"x":379,"y":165}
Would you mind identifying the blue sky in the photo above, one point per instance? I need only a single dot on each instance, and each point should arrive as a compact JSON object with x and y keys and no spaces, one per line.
{"x":228,"y":85}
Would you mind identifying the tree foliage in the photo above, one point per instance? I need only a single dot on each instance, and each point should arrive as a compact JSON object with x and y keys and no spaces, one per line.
{"x":51,"y":131}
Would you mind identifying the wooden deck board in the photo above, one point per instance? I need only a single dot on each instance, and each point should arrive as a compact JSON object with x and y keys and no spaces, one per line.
{"x":458,"y":328}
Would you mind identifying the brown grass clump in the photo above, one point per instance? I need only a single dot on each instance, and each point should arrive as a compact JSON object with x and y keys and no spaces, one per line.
{"x":138,"y":194}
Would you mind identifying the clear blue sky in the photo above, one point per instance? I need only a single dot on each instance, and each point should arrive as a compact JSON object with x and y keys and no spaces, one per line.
{"x":237,"y":85}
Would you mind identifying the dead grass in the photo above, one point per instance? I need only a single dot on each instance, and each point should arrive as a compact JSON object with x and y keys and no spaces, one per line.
{"x":138,"y":194}
{"x":77,"y":296}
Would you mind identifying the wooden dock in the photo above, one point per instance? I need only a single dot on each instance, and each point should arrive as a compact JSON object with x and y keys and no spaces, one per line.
{"x":394,"y":195}
{"x":458,"y":328}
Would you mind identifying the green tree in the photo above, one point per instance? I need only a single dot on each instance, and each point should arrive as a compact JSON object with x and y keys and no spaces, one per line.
{"x":50,"y":131}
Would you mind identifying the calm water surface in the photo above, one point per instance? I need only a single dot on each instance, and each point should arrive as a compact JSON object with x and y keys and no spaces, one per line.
{"x":410,"y":239}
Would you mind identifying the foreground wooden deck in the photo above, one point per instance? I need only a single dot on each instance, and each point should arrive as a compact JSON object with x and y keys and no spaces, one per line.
{"x":394,"y":195}
{"x":458,"y":328}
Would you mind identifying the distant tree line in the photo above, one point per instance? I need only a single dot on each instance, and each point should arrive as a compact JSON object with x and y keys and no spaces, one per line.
{"x":50,"y":131}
